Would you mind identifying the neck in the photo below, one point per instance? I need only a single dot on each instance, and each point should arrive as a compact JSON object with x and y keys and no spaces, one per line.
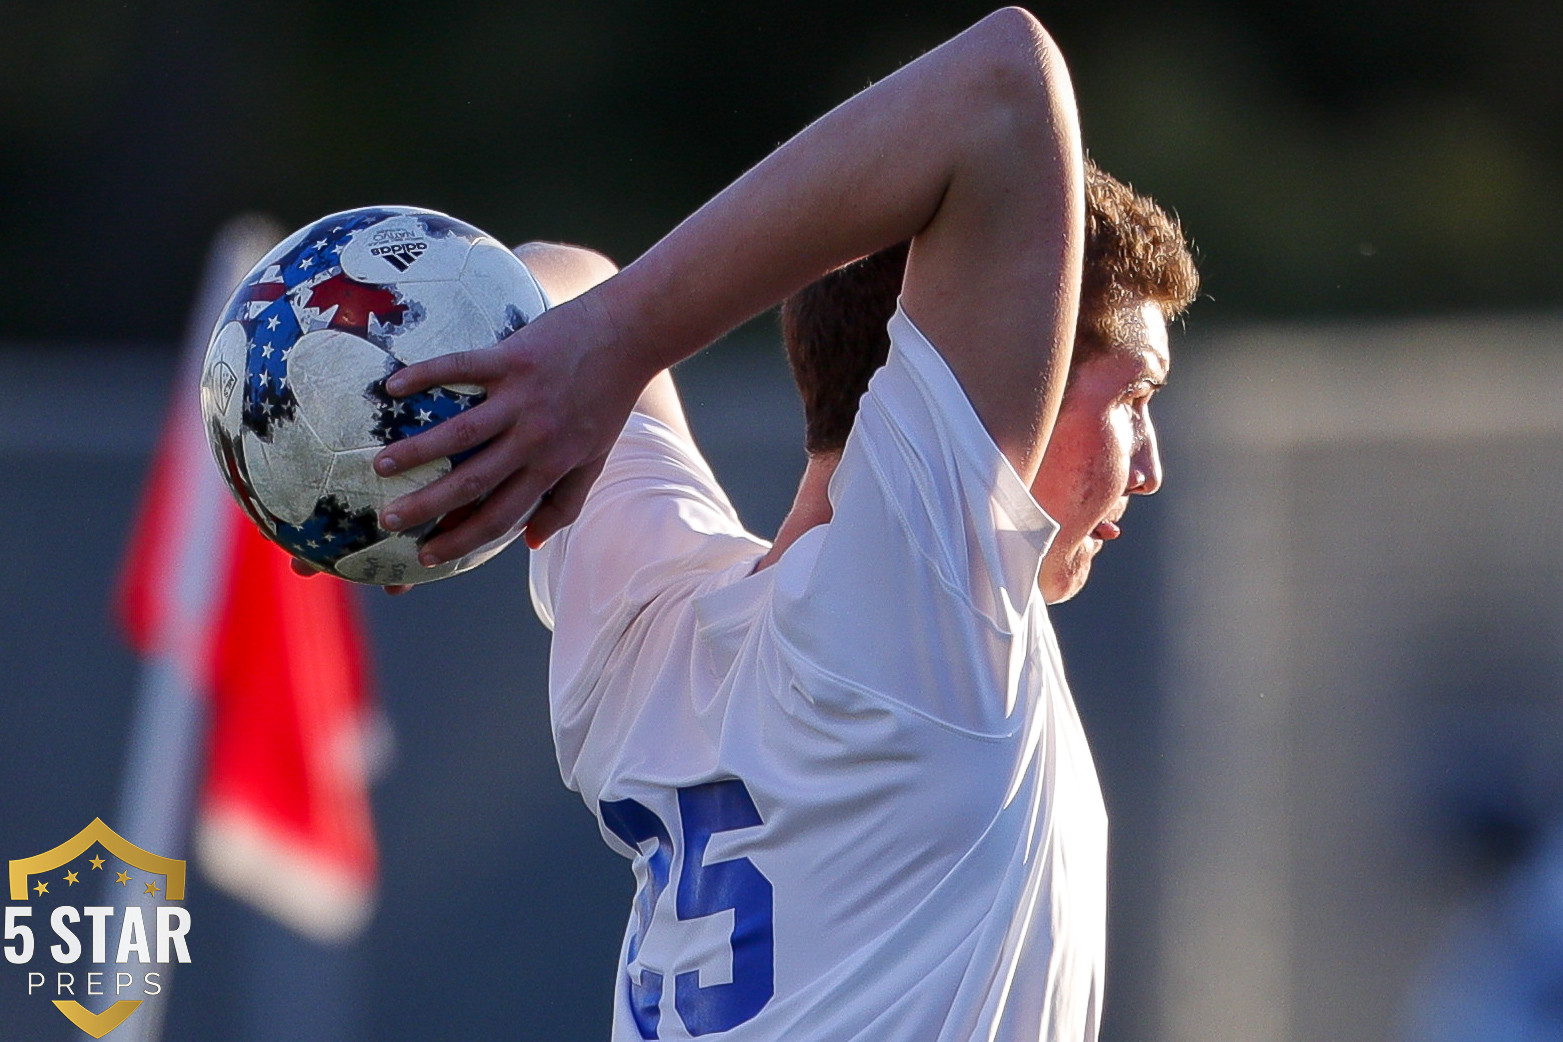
{"x":810,"y":507}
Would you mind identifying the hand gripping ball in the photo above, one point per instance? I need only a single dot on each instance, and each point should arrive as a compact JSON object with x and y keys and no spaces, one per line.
{"x":293,"y":387}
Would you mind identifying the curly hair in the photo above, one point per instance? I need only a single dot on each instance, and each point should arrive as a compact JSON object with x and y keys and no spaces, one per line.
{"x":834,"y":328}
{"x":1135,"y":253}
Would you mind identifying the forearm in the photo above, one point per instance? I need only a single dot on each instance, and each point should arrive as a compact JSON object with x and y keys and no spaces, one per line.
{"x":983,"y":125}
{"x":972,"y":151}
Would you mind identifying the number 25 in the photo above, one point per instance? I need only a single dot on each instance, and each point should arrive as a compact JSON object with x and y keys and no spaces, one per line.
{"x":704,"y":810}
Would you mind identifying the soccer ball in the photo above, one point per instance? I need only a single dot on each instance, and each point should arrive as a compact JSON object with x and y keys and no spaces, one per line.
{"x":293,"y":387}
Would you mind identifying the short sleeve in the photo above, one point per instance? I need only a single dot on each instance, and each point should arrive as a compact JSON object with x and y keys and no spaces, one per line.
{"x":656,"y":517}
{"x":917,"y":590}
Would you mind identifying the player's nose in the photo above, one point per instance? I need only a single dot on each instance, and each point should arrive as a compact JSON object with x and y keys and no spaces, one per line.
{"x":1145,"y":472}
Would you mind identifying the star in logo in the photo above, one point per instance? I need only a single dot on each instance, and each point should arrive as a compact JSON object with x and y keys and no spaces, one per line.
{"x":122,"y":878}
{"x":42,"y":888}
{"x":70,"y":879}
{"x":152,"y":888}
{"x":97,"y":863}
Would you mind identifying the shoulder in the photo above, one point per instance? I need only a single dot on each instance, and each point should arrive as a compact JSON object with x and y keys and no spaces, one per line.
{"x":922,"y":443}
{"x":563,"y":271}
{"x":923,"y":581}
{"x":657,"y":515}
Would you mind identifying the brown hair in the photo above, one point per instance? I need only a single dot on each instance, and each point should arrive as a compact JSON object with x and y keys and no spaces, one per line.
{"x":834,"y":328}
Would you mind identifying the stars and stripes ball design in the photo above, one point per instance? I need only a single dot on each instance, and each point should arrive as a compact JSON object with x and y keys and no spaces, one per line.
{"x":293,"y":388}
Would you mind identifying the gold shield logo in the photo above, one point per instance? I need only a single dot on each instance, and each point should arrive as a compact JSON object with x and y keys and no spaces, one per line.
{"x":64,"y":868}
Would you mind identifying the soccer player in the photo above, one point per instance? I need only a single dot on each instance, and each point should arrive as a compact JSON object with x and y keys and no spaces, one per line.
{"x":835,"y":334}
{"x":853,"y":784}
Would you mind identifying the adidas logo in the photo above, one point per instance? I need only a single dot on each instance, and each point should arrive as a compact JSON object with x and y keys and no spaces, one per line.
{"x":400,"y":255}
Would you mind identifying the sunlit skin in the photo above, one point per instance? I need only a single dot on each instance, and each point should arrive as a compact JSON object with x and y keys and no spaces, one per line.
{"x":1103,"y":450}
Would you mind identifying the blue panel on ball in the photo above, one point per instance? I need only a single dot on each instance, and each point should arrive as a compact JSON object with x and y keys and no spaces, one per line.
{"x":405,"y":417}
{"x":330,"y":533}
{"x":322,"y":245}
{"x":267,"y":396}
{"x":439,"y":226}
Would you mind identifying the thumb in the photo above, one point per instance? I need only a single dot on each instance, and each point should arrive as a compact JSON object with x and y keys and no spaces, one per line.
{"x":562,"y":503}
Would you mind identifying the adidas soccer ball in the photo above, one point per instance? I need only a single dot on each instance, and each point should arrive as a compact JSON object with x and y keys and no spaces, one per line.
{"x":293,"y":388}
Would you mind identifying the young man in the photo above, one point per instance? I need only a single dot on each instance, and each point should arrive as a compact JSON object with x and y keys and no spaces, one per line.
{"x":835,"y":334}
{"x":853,"y":784}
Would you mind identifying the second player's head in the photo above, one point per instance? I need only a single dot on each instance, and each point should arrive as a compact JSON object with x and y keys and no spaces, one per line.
{"x":1138,"y":275}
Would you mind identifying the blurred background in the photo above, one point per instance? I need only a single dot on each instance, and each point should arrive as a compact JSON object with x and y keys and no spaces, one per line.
{"x":1320,"y":673}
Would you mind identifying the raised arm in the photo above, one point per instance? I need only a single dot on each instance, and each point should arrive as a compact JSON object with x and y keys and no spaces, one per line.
{"x":973,"y":149}
{"x":565,"y":272}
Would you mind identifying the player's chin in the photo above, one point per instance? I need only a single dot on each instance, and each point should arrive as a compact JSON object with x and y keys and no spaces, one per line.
{"x":1061,"y":579}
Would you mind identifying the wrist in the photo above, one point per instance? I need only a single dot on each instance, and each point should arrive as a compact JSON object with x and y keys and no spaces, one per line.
{"x":623,"y":337}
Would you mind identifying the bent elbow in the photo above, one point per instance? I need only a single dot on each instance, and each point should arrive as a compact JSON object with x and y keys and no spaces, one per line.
{"x":1017,"y":85}
{"x":1018,"y":69}
{"x":1018,"y":47}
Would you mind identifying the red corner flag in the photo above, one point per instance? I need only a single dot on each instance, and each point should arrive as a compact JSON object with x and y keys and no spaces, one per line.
{"x":272,"y":661}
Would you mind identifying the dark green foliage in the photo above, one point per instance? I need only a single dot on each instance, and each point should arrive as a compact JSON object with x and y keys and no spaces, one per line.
{"x":1327,"y":157}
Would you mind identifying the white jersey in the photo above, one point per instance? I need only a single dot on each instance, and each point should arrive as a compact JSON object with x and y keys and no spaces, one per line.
{"x":854,"y":786}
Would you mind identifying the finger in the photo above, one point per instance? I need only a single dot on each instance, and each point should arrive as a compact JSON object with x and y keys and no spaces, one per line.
{"x":459,"y":367}
{"x":562,"y":505}
{"x":395,"y":591}
{"x":466,"y":430}
{"x":498,"y":515}
{"x":466,"y":483}
{"x":304,"y":568}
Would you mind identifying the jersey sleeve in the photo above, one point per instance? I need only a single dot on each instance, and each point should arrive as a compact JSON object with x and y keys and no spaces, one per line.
{"x":655,"y":518}
{"x":916,"y":589}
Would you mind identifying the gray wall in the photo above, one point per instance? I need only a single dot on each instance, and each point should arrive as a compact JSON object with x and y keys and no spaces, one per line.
{"x":1364,"y":600}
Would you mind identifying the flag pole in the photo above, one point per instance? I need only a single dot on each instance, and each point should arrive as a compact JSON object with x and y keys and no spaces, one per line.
{"x":163,"y":757}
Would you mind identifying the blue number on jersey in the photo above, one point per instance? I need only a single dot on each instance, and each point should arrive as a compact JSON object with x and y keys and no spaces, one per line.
{"x":635,"y":824}
{"x":736,"y":884}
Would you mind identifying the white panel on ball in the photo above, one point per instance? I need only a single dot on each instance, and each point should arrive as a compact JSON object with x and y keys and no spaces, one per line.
{"x":393,"y":562}
{"x":222,"y":395}
{"x":405,"y":250}
{"x":352,"y":477}
{"x":288,"y":473}
{"x":502,"y":287}
{"x":331,"y":372}
{"x":443,"y":315}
